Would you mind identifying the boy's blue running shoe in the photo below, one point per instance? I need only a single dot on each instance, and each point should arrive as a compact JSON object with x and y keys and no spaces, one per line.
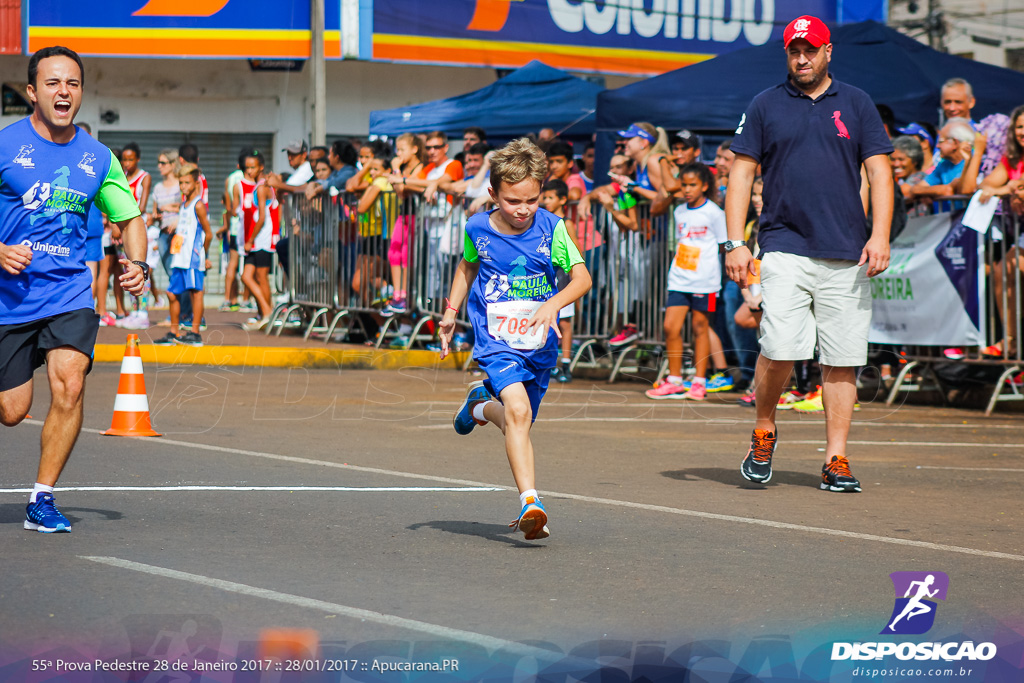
{"x":721,"y":381}
{"x":533,"y":520}
{"x":464,"y":421}
{"x":43,"y":516}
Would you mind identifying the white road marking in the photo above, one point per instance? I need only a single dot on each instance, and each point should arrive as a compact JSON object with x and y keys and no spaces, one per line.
{"x":969,"y":469}
{"x":434,"y":630}
{"x":300,"y":461}
{"x":211,"y":487}
{"x":929,"y":444}
{"x":738,"y":440}
{"x":747,"y":417}
{"x":598,"y":501}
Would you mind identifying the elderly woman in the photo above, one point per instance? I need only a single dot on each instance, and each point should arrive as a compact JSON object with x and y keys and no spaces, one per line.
{"x":907,"y":160}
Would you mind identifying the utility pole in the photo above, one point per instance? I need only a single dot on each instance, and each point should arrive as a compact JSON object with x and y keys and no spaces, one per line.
{"x":318,"y":72}
{"x":935,"y":24}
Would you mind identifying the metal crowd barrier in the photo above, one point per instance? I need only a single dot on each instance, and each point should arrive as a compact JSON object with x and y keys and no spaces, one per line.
{"x":629,"y":269}
{"x":1003,"y":320}
{"x":343,"y":267}
{"x":311,"y":226}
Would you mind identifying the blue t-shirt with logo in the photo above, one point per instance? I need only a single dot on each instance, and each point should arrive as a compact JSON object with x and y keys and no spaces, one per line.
{"x":516,"y":268}
{"x":46,"y":193}
{"x":810,"y":153}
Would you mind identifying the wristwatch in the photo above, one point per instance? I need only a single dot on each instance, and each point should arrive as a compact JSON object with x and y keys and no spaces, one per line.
{"x":733,"y":244}
{"x":145,"y":269}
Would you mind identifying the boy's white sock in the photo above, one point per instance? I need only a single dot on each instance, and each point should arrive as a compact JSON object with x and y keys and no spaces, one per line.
{"x":527,"y":494}
{"x":700,"y":381}
{"x":37,"y":489}
{"x":674,"y":379}
{"x":478,"y":411}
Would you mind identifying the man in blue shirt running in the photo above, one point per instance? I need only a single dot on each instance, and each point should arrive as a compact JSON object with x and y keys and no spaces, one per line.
{"x":51,"y":173}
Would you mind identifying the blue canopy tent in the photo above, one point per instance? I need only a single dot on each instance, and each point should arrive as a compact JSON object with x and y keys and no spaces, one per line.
{"x":892,"y":68}
{"x":530,"y":98}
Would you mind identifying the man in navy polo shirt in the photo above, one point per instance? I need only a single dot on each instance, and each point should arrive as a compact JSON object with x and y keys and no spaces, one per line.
{"x":811,"y":136}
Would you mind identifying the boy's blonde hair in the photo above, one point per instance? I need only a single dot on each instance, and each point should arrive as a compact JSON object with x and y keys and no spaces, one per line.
{"x":517,"y":161}
{"x":187,"y":169}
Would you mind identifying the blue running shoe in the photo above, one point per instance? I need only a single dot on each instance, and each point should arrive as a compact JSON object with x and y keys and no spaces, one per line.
{"x":533,"y":520}
{"x":464,"y":420}
{"x":721,"y":381}
{"x":44,"y":517}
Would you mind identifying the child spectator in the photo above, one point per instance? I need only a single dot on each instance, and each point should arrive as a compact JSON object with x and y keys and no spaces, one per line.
{"x":694,"y":279}
{"x":560,"y":168}
{"x":376,"y":212}
{"x":586,"y":166}
{"x":139,"y":182}
{"x":229,"y":237}
{"x":259,"y":227}
{"x":508,"y":272}
{"x":554,"y":197}
{"x":408,"y":162}
{"x":189,"y":262}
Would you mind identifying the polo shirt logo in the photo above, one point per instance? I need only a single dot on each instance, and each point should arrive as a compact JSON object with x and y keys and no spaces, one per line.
{"x":840,"y":126}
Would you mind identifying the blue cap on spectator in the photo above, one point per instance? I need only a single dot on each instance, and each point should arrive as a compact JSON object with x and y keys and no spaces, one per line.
{"x":918,"y":131}
{"x":636,"y":131}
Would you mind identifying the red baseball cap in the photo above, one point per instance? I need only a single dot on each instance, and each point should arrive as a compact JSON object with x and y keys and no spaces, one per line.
{"x":811,"y":29}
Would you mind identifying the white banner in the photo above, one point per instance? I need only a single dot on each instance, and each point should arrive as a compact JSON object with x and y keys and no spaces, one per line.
{"x":933,"y":292}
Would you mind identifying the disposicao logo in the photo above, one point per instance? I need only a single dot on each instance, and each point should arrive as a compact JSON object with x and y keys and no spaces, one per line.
{"x":913,"y":614}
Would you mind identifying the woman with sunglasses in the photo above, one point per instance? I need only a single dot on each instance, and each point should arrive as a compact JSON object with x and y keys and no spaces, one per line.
{"x":166,"y":202}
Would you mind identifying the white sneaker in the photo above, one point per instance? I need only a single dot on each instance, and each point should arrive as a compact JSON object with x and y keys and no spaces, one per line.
{"x":137,"y":320}
{"x":255,"y":325}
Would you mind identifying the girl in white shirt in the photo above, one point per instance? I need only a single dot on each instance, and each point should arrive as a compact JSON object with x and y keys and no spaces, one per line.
{"x":694,"y":280}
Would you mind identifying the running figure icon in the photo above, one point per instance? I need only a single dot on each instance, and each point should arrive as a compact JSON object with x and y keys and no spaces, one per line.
{"x":915,"y":606}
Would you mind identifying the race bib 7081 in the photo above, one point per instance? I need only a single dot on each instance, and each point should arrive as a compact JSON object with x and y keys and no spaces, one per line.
{"x":509,"y":322}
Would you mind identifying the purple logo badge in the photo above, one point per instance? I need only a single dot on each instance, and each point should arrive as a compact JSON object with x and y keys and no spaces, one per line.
{"x":916,"y":592}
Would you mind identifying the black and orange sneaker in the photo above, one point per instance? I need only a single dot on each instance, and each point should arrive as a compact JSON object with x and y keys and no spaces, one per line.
{"x":836,"y":476}
{"x":757,"y":465}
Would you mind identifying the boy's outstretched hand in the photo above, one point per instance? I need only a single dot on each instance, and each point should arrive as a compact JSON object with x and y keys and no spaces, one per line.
{"x":546,"y":316}
{"x":444,"y":332}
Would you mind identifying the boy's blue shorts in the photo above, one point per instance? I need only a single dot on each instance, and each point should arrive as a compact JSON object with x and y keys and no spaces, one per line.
{"x":184,"y":279}
{"x":505,"y":369}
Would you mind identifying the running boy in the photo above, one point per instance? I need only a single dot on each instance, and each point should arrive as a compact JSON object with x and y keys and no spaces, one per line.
{"x":554,"y":197}
{"x":513,"y":307}
{"x":694,"y":279}
{"x":189,"y":262}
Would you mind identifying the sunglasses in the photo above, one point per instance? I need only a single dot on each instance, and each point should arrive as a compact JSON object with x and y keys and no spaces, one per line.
{"x":162,"y":163}
{"x":433,"y":146}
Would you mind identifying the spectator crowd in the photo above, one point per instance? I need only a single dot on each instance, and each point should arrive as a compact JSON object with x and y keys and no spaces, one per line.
{"x":657,"y":181}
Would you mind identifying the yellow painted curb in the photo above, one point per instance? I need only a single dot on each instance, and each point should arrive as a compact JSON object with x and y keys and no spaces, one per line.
{"x":281,"y":357}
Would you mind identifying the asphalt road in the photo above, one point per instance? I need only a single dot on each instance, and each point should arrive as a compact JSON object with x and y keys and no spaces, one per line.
{"x":657,"y":542}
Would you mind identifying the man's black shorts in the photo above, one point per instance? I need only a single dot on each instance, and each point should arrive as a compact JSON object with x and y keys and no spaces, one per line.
{"x":23,"y":346}
{"x":259,"y":259}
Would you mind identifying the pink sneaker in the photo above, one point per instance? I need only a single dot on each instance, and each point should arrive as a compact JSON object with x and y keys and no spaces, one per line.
{"x":666,"y":390}
{"x":108,"y":320}
{"x":697,"y":392}
{"x":628,"y":334}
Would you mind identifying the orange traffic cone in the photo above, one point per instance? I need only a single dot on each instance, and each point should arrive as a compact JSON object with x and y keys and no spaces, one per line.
{"x":289,"y":643}
{"x":131,"y":408}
